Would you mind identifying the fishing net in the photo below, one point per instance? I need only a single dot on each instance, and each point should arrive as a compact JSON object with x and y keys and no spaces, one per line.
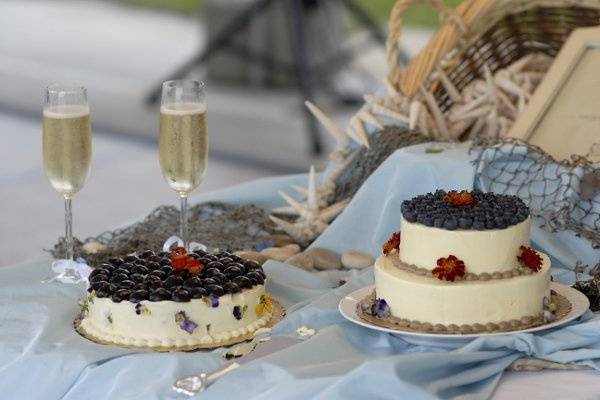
{"x":564,"y":195}
{"x":365,"y":161}
{"x":216,"y":225}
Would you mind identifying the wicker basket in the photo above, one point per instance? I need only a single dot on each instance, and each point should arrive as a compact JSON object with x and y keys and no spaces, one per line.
{"x":478,"y":32}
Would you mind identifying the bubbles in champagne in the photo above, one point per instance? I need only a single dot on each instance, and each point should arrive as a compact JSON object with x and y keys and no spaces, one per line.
{"x":183,"y":145}
{"x":67,"y":147}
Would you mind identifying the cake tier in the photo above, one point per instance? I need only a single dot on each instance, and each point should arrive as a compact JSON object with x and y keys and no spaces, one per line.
{"x":488,"y":251}
{"x":426,"y":299}
{"x":176,"y":324}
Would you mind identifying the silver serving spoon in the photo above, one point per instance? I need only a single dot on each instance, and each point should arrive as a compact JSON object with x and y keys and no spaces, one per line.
{"x":193,"y":385}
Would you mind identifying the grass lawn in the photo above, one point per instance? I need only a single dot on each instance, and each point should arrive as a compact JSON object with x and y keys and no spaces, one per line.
{"x":421,"y":15}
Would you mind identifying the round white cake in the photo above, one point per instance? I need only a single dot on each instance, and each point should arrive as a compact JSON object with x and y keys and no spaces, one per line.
{"x":462,"y":264}
{"x":154,"y":300}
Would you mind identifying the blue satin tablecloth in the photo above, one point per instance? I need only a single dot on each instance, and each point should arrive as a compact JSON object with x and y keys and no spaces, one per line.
{"x":41,"y":357}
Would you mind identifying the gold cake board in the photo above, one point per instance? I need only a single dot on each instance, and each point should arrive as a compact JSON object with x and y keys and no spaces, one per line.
{"x":563,"y":307}
{"x":276,"y":316}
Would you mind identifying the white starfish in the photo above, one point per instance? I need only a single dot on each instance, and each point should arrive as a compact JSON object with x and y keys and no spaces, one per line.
{"x":314,"y":214}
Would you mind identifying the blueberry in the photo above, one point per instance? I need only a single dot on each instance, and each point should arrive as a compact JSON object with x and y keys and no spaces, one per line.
{"x":260,"y":272}
{"x":103,"y":291}
{"x":99,"y":271}
{"x":215,"y":265}
{"x":450,"y":224}
{"x":98,"y":278}
{"x":140,"y":269}
{"x":121,"y":270}
{"x":98,"y":285}
{"x":166,"y":269}
{"x":427,"y":221}
{"x":130,"y":258}
{"x":220,"y":278}
{"x":205,"y":260}
{"x":233,"y":271}
{"x":489,"y":224}
{"x":211,"y":272}
{"x":120,"y":295}
{"x":172,"y":281}
{"x":165,"y":261}
{"x":115,"y":261}
{"x":160,"y":294}
{"x":182,"y":273}
{"x":126,"y":284}
{"x":137,"y":278}
{"x":152,"y":278}
{"x":164,"y":254}
{"x":252,"y":265}
{"x":438,"y":222}
{"x":200,"y":253}
{"x":410,"y":216}
{"x":215,"y":290}
{"x":231,"y":287}
{"x":138,"y":295}
{"x":465,"y":223}
{"x":153,"y":258}
{"x":197,"y":292}
{"x":181,"y":295}
{"x":225,"y":260}
{"x":243,"y":282}
{"x":139,"y":286}
{"x":255,"y":277}
{"x":208,"y":281}
{"x":146,"y":253}
{"x":159,"y":274}
{"x":118,"y":278}
{"x":192,"y":282}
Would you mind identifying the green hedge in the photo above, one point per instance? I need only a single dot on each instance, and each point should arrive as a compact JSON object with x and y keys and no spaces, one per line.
{"x":420,"y":15}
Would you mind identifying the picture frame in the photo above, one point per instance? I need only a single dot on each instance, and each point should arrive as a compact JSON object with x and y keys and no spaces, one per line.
{"x":563,"y":114}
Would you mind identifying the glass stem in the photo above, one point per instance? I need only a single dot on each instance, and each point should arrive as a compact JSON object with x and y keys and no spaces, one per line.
{"x":183,"y":221}
{"x":68,"y":229}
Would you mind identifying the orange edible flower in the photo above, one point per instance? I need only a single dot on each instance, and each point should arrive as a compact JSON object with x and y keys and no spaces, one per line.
{"x":393,"y":243}
{"x":459,"y":199}
{"x":449,"y":268}
{"x":181,"y":260}
{"x":530,"y":258}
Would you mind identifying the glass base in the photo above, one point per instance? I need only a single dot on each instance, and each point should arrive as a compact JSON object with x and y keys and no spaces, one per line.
{"x":69,"y":271}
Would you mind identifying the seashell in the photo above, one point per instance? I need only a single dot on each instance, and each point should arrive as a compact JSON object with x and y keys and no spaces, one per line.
{"x":333,"y":211}
{"x":300,"y":232}
{"x":369,"y":118}
{"x":386,"y":112}
{"x":252,"y":256}
{"x":279,"y":253}
{"x":301,"y":260}
{"x":452,"y":91}
{"x":330,"y":125}
{"x":93,"y":247}
{"x":324,"y":259}
{"x":311,"y":197}
{"x":415,"y":108}
{"x":438,"y":117}
{"x":279,"y":240}
{"x":355,"y":259}
{"x":358,"y":132}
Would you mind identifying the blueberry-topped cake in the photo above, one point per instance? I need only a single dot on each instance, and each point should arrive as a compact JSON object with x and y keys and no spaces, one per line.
{"x":175,"y":300}
{"x":462,"y":263}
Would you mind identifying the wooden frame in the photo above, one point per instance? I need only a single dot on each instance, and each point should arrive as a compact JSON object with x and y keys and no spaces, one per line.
{"x":563,"y":115}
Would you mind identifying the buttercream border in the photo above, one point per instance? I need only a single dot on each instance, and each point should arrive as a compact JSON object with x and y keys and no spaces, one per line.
{"x":277,"y":315}
{"x":563,"y":307}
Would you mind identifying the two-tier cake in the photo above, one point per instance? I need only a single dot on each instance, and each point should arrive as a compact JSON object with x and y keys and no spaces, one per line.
{"x":461,"y":264}
{"x":176,"y":301}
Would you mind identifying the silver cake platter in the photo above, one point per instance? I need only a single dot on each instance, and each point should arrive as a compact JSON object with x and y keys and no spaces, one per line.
{"x":579,"y":305}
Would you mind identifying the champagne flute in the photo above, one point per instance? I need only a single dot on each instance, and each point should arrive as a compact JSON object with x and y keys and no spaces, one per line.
{"x":183,"y":141}
{"x":67,"y":149}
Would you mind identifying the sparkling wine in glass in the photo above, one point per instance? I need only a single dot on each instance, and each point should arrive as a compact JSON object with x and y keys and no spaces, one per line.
{"x":183,"y":141}
{"x":67,"y":146}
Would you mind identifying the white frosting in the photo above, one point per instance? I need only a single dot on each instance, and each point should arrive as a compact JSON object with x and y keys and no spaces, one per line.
{"x":490,"y":251}
{"x":428,"y":299}
{"x":158,"y":328}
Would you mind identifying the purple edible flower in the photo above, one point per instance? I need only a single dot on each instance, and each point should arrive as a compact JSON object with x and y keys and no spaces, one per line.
{"x":380,"y":308}
{"x":185,"y":323}
{"x":138,"y":308}
{"x":237,"y":312}
{"x":213,"y":300}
